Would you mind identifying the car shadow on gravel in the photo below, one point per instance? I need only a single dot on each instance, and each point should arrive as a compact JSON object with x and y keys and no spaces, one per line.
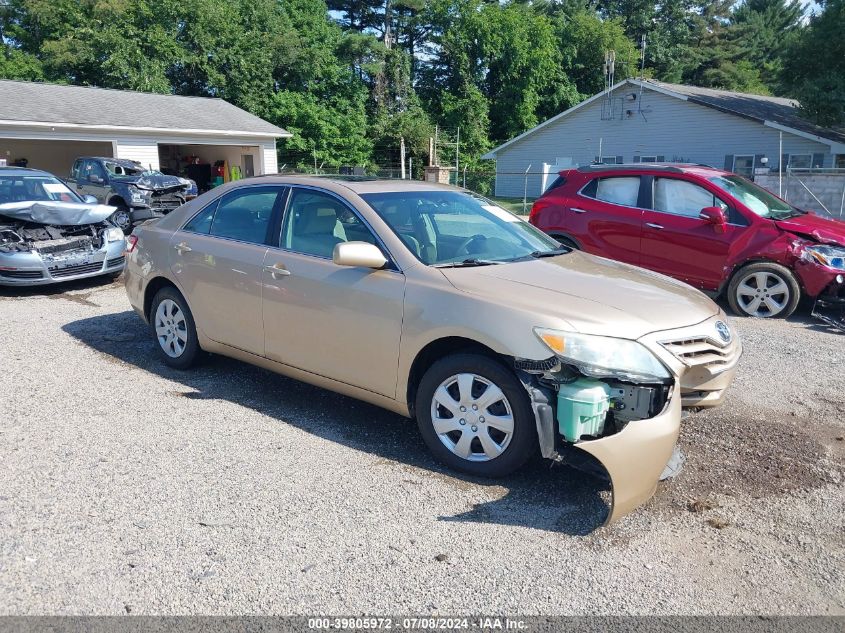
{"x":558,"y":499}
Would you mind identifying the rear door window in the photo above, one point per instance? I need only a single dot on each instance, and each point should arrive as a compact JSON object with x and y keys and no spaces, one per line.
{"x":246,"y":214}
{"x":622,"y":190}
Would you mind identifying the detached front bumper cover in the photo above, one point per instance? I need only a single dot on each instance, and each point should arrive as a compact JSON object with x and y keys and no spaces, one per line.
{"x":636,"y":457}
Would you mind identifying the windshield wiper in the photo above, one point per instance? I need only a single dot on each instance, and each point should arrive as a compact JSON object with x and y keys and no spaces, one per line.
{"x":552,"y":253}
{"x":472,"y":261}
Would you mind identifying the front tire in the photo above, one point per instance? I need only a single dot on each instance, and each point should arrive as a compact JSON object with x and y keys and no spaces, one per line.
{"x":475,"y":416}
{"x":174,"y":330}
{"x":122,"y":218}
{"x":764,"y":290}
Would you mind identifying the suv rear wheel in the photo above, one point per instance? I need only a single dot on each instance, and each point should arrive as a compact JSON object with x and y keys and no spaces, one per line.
{"x":764,"y":290}
{"x":475,"y":416}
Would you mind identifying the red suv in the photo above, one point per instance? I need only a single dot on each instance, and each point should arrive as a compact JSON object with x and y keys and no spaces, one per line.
{"x":710,"y":228}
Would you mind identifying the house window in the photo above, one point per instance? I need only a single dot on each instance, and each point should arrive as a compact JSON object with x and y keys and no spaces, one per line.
{"x":609,"y":160}
{"x":656,"y":158}
{"x":744,"y":165}
{"x":800,"y":161}
{"x":839,"y":161}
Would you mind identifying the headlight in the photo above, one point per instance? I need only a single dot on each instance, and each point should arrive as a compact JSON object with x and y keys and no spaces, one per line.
{"x":830,"y":256}
{"x":604,"y":357}
{"x":113,"y":235}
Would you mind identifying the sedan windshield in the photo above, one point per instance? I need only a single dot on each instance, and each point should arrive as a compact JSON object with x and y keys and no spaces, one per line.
{"x":756,"y":198}
{"x":451,"y":228}
{"x":33,"y":188}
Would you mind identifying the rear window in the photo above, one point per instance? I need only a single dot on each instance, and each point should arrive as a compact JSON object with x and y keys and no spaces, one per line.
{"x":622,"y":190}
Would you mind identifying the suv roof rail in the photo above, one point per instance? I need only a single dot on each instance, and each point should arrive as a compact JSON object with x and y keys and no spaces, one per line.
{"x":671,"y":167}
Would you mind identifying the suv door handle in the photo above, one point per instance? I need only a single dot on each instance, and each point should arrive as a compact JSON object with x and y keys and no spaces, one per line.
{"x":576,"y":210}
{"x":183,"y":247}
{"x":277,"y":269}
{"x":657,"y":227}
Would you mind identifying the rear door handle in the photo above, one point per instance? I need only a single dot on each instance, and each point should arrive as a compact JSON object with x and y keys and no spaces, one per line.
{"x":183,"y":247}
{"x":277,"y":270}
{"x":652,"y":225}
{"x":576,"y":210}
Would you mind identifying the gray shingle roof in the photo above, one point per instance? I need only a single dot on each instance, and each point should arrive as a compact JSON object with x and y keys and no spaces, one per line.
{"x":757,"y":107}
{"x":81,"y":105}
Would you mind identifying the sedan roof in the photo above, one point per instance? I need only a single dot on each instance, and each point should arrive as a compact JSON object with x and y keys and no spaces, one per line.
{"x":358,"y":184}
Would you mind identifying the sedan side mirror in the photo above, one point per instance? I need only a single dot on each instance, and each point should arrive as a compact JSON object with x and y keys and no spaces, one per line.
{"x":715,"y":216}
{"x":89,"y":199}
{"x":358,"y":254}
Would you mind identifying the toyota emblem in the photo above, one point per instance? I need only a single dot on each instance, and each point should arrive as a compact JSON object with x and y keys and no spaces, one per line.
{"x":724,"y":331}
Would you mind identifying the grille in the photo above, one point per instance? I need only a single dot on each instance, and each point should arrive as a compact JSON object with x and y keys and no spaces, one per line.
{"x":81,"y":269}
{"x":22,"y":274}
{"x":117,"y":261}
{"x":166,"y":203}
{"x":696,"y":352}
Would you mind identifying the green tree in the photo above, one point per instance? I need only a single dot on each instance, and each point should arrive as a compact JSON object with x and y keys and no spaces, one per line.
{"x":814,"y":68}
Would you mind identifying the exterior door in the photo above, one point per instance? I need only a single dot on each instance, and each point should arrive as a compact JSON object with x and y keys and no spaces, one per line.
{"x":93,"y":180}
{"x":605,"y":217}
{"x":335,"y":321}
{"x":676,"y":242}
{"x":218,"y":257}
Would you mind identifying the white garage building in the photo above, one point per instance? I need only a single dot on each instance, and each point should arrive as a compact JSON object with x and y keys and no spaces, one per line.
{"x":49,"y":125}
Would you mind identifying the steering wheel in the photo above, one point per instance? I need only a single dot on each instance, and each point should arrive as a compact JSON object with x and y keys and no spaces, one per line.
{"x":463,"y":247}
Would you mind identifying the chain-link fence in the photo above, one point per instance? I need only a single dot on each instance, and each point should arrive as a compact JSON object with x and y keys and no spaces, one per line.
{"x":820,"y":190}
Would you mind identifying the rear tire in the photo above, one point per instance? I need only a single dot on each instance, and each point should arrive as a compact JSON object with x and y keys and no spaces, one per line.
{"x":475,"y":416}
{"x":764,"y":290}
{"x":173,"y":328}
{"x":569,"y":243}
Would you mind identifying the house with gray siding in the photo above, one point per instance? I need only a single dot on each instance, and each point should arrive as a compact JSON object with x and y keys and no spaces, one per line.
{"x":650,"y":121}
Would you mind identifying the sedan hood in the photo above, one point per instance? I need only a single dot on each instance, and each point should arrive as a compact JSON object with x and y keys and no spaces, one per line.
{"x":58,"y":213}
{"x":815,"y":227}
{"x":594,"y":295}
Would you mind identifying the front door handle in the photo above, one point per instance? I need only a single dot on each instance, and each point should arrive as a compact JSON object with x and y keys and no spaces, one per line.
{"x":183,"y":247}
{"x":277,"y":270}
{"x":575,"y":210}
{"x":652,"y":225}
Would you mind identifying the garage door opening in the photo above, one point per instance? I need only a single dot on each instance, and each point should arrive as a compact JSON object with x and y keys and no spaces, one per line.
{"x":52,"y":156}
{"x":210,"y":165}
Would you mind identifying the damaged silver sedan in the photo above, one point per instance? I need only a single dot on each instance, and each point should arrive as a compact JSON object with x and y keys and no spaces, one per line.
{"x":49,"y":234}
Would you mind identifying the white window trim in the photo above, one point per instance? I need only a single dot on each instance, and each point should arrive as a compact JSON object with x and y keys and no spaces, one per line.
{"x":751,"y":156}
{"x":809,"y":157}
{"x":649,"y":158}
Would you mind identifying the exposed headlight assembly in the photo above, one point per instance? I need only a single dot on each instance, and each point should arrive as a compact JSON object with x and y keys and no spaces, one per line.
{"x":605,"y":357}
{"x":830,"y":256}
{"x":113,"y":235}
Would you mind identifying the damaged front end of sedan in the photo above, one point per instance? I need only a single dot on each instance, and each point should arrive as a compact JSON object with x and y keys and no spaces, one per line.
{"x":621,"y":401}
{"x":827,"y":263}
{"x":50,"y":241}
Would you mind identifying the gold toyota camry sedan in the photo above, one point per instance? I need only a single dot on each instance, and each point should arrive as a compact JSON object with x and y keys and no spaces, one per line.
{"x":437,"y":304}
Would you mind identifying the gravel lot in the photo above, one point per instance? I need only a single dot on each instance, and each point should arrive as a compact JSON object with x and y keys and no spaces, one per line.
{"x":130,"y":487}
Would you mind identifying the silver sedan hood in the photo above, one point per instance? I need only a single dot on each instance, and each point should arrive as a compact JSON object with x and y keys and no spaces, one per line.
{"x":58,"y":213}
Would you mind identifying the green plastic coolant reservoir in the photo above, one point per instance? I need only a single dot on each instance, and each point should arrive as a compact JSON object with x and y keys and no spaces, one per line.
{"x":582,"y":407}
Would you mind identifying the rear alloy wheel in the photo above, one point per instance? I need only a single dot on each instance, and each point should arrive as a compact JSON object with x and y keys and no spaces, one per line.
{"x":764,"y":291}
{"x":475,"y":417}
{"x":173,"y":326}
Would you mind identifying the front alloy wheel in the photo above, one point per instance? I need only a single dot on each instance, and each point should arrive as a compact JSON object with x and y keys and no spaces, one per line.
{"x":123,"y":219}
{"x":475,"y":415}
{"x":764,"y":290}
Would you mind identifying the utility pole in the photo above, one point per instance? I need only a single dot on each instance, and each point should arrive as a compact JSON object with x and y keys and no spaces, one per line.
{"x":457,"y":154}
{"x":402,"y":155}
{"x":436,"y":161}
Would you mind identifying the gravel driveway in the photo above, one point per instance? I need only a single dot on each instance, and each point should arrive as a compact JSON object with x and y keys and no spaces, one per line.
{"x":130,"y":487}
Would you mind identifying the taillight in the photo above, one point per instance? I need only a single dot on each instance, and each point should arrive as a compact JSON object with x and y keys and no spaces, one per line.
{"x":131,"y":241}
